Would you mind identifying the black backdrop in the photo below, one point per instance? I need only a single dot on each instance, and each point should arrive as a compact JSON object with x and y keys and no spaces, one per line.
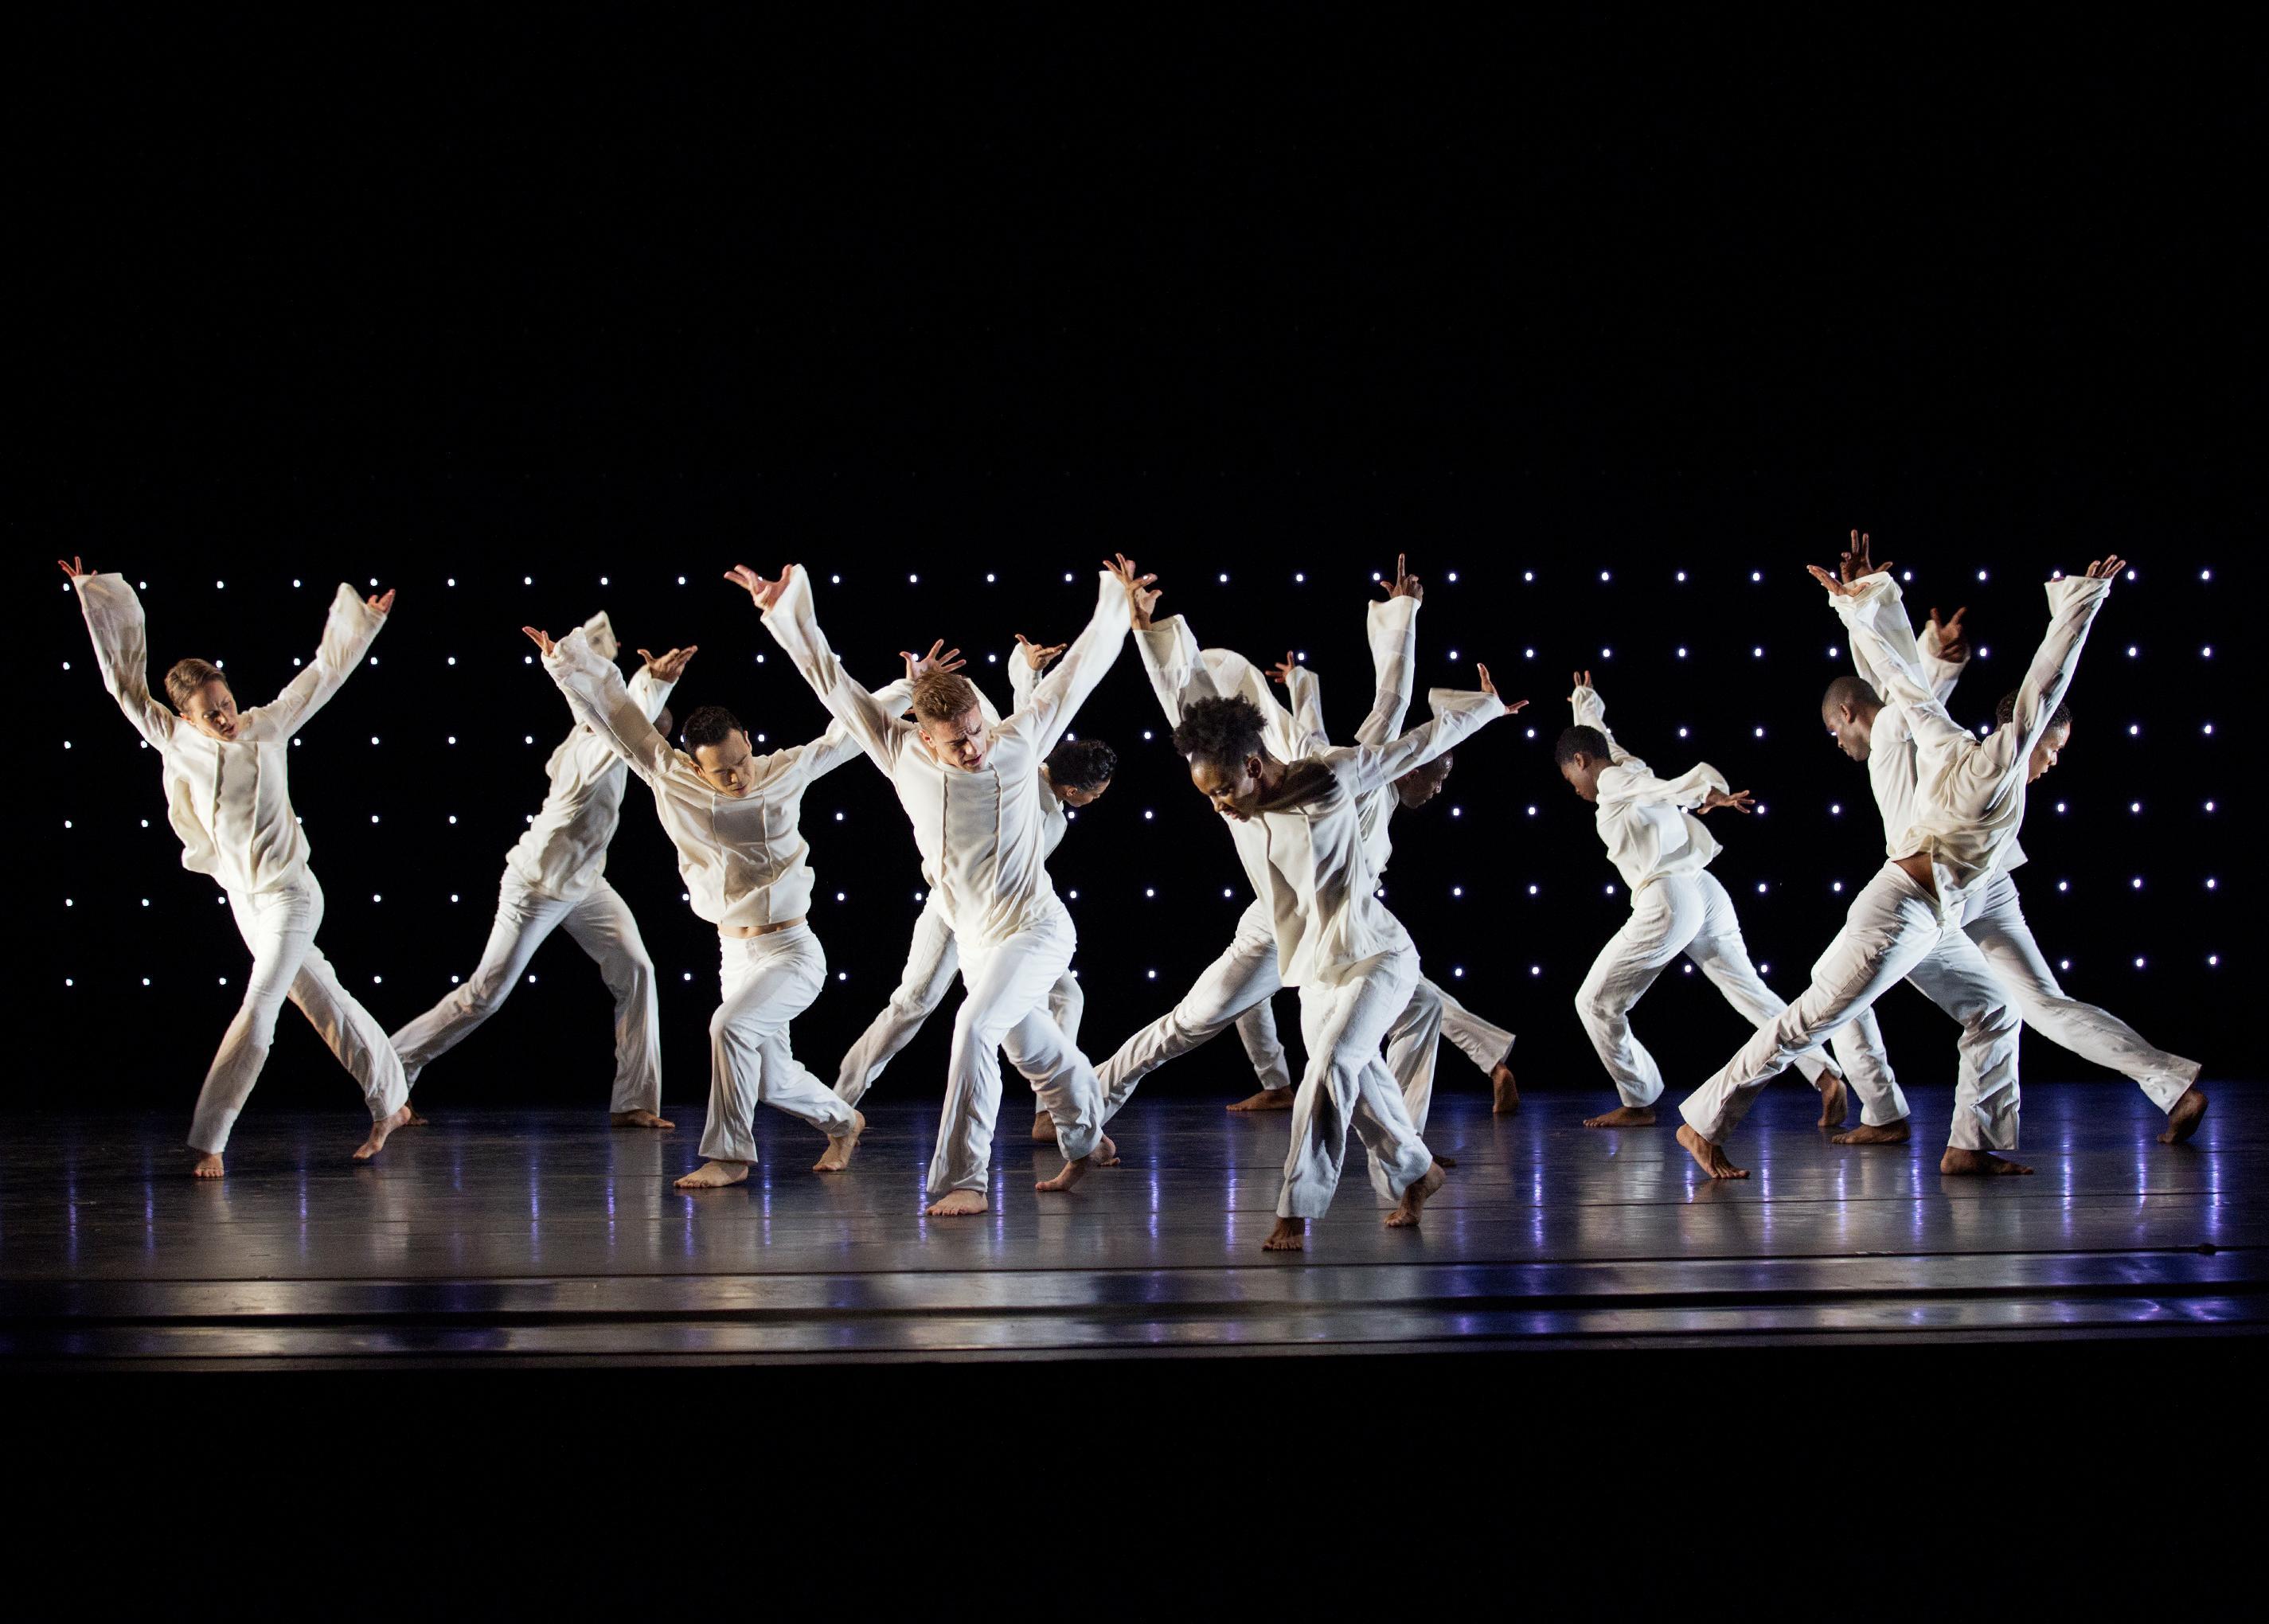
{"x":593,"y":295}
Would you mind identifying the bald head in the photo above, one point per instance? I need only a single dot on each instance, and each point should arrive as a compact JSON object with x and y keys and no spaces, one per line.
{"x":1848,"y":709}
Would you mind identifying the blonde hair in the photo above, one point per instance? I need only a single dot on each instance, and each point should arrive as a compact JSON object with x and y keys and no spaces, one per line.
{"x":943,"y":696}
{"x":187,"y":678}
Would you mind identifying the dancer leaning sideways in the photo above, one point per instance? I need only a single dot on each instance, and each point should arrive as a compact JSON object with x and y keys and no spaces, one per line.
{"x":733,"y":816}
{"x":228,"y":795}
{"x":1869,"y":725}
{"x":1678,"y":908}
{"x":1969,"y":802}
{"x":1076,"y":774}
{"x":555,"y":878}
{"x":973,"y":794}
{"x":1351,"y":960}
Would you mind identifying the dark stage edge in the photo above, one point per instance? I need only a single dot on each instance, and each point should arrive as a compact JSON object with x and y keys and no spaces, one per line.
{"x":543,"y":1238}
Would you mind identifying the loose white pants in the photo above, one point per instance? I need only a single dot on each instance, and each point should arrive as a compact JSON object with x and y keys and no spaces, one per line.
{"x":1995,"y":920}
{"x":931,"y":961}
{"x":1004,"y":1007}
{"x":279,"y":927}
{"x":600,"y":924}
{"x":1235,"y":988}
{"x":766,"y":982}
{"x":1416,"y":1037}
{"x":1345,"y":1084}
{"x":1682,"y":913}
{"x":1891,"y":933}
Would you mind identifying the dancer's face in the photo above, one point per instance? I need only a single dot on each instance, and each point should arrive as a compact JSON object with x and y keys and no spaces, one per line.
{"x":1582,"y":772}
{"x":1421,"y":785}
{"x":2044,"y":755}
{"x":1235,"y":791}
{"x":1072,"y":796}
{"x":729,"y":767}
{"x":213,"y":712}
{"x":957,"y":742}
{"x":1853,"y":732}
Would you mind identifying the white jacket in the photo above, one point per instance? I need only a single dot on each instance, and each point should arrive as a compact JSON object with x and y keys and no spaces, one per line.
{"x":1645,"y":822}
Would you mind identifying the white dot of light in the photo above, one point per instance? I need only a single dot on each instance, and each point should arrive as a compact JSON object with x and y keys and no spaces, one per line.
{"x":2134,"y":806}
{"x":1835,"y":885}
{"x":1906,"y":574}
{"x":1460,"y":890}
{"x":1224,"y":578}
{"x":2206,"y":652}
{"x":2139,"y":963}
{"x":2209,"y":805}
{"x":1761,"y":888}
{"x":2063,"y":963}
{"x":1536,"y":970}
{"x":1457,"y":811}
{"x":527,"y":581}
{"x":2209,"y":884}
{"x":1296,"y":576}
{"x":452,"y":659}
{"x":2209,"y":728}
{"x":2132,"y":651}
{"x":602,"y":580}
{"x":1453,"y":654}
{"x":1067,"y":574}
{"x":1152,"y":974}
{"x":1532,"y":811}
{"x":2211,"y":958}
{"x":1681,"y":575}
{"x":2205,"y":574}
{"x":1606,"y":654}
{"x":914,"y":580}
{"x":1149,"y":890}
{"x":1756,"y":575}
{"x":1532,"y":890}
{"x":1528,"y":575}
{"x":1835,"y":809}
{"x":2137,"y":881}
{"x":843,"y":975}
{"x":1603,"y":575}
{"x":2131,"y":575}
{"x":2064,"y":885}
{"x":1073,"y":895}
{"x":1452,"y":575}
{"x":1757,"y":654}
{"x":835,"y":580}
{"x":453,"y":738}
{"x":689,"y":975}
{"x":2134,"y":729}
{"x":2059,"y":806}
{"x":1609,"y":890}
{"x":1528,"y":653}
{"x":1455,"y":970}
{"x":988,"y":578}
{"x":1760,"y":733}
{"x":1682,"y":732}
{"x":1682,"y":653}
{"x":453,"y":817}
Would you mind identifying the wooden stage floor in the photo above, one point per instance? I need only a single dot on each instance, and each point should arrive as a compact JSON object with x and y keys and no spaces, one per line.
{"x":544,"y":1238}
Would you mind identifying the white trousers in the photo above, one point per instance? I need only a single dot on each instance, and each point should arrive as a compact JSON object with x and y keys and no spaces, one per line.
{"x":279,"y":927}
{"x":1004,"y":1007}
{"x":1235,"y":988}
{"x":1995,"y":920}
{"x":601,"y":925}
{"x":1891,"y":933}
{"x":1345,"y":1084}
{"x":1416,"y":1037}
{"x":931,"y":961}
{"x":1683,"y":913}
{"x":766,"y":982}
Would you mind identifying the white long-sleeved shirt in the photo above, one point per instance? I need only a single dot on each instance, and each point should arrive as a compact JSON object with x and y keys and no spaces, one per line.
{"x":563,"y":853}
{"x":981,"y":834}
{"x":1969,"y":792}
{"x":742,"y":856}
{"x":1645,"y":822}
{"x":230,"y":800}
{"x":1022,"y":680}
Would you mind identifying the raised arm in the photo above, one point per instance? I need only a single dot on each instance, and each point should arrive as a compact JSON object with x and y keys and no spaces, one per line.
{"x":651,"y":683}
{"x":1061,"y":693}
{"x":1170,"y":659}
{"x":1024,"y":667}
{"x":1392,"y":630}
{"x":839,"y":744}
{"x":1456,"y":714}
{"x":1584,"y":700}
{"x":353,"y":623}
{"x":1307,"y":697}
{"x":788,"y":615}
{"x":596,"y":694}
{"x":2074,"y":603}
{"x":1945,"y":653}
{"x":1882,"y":643}
{"x":122,"y":649}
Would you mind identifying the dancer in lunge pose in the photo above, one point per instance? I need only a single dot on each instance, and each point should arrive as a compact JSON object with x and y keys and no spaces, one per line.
{"x":974,"y":796}
{"x":733,"y":815}
{"x":228,"y":796}
{"x":555,"y":877}
{"x":1969,"y":800}
{"x":1867,"y":727}
{"x":1662,"y":850}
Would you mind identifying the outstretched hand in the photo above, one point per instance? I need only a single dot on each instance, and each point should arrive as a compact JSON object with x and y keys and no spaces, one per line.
{"x":543,"y":640}
{"x":1037,"y":655}
{"x":1951,"y":644}
{"x":1282,"y":671}
{"x":1490,"y":687}
{"x":1739,"y":799}
{"x":72,"y":567}
{"x":763,"y":593}
{"x":380,"y":603}
{"x":919,"y":665}
{"x":1405,"y":585}
{"x":672,"y":666}
{"x":1855,"y":563}
{"x":1141,"y":597}
{"x":2105,"y":569}
{"x":1582,"y":679}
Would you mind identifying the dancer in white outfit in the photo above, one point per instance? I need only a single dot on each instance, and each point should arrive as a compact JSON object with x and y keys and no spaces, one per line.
{"x":1351,"y":960}
{"x":1662,"y":851}
{"x":1076,"y":774}
{"x":733,"y":816}
{"x":228,"y":796}
{"x":1867,"y":727}
{"x":974,"y":796}
{"x":1969,"y":800}
{"x":555,"y":876}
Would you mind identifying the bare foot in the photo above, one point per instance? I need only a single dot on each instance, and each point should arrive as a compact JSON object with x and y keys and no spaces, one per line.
{"x":1889,"y":1134}
{"x":1268,"y":1099}
{"x":1290,"y":1234}
{"x":638,"y":1119}
{"x":1446,"y":1161}
{"x":1977,"y":1162}
{"x":1623,"y":1116}
{"x":2183,"y":1120}
{"x":1043,"y":1129}
{"x":714,"y":1176}
{"x":957,"y":1203}
{"x":1405,"y":1215}
{"x":380,"y":1130}
{"x":1712,"y":1159}
{"x":415,"y":1121}
{"x":1504,"y":1091}
{"x":839,"y":1147}
{"x":208,"y":1166}
{"x":1073,"y":1172}
{"x":1105,"y":1154}
{"x":1835,"y":1102}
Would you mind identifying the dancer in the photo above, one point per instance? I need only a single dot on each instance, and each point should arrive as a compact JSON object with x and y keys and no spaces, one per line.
{"x":974,"y":794}
{"x":732,"y":814}
{"x":1350,"y":957}
{"x":555,"y":876}
{"x":1076,"y":774}
{"x":228,"y":796}
{"x":1969,"y":800}
{"x":1868,"y":728}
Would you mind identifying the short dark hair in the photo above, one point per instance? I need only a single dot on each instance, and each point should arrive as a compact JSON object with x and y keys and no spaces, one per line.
{"x":1082,"y":764}
{"x":1574,"y":741}
{"x":709,"y":725}
{"x":1223,"y":731}
{"x":1849,"y":690}
{"x":2005,"y":712}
